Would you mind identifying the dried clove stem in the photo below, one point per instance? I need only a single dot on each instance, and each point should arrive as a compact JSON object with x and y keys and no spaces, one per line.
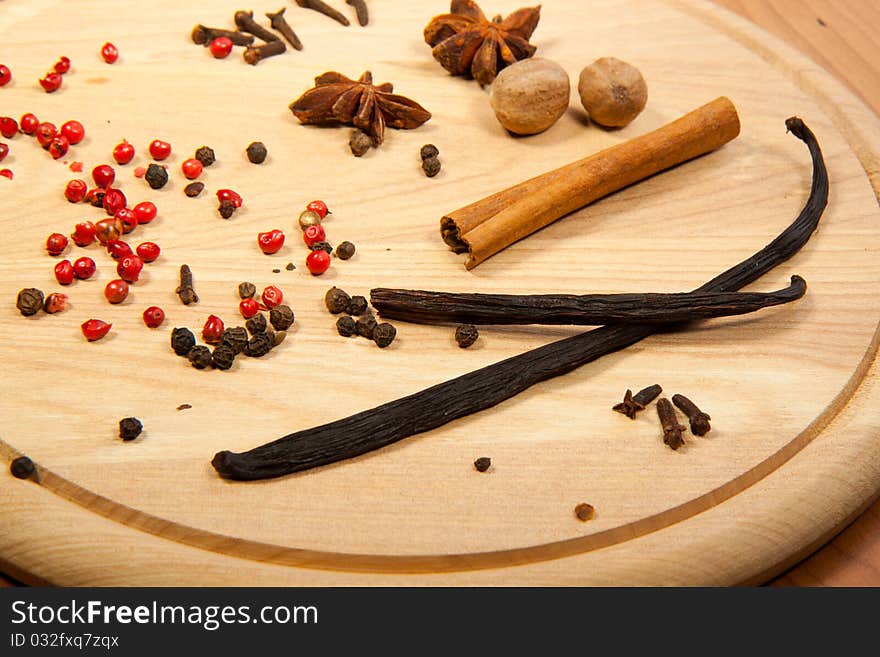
{"x":323,"y":8}
{"x":669,"y":421}
{"x":632,"y":404}
{"x":253,"y":55}
{"x":205,"y":35}
{"x":360,"y":7}
{"x":588,"y":309}
{"x":280,"y":23}
{"x":245,"y":22}
{"x":484,"y":388}
{"x":185,"y":290}
{"x":699,"y":420}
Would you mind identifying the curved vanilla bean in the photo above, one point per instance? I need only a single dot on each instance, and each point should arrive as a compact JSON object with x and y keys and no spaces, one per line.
{"x":490,"y":385}
{"x":425,"y":307}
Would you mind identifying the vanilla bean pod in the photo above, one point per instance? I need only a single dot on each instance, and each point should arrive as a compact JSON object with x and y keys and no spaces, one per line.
{"x":588,"y":309}
{"x":490,"y":385}
{"x":324,"y":8}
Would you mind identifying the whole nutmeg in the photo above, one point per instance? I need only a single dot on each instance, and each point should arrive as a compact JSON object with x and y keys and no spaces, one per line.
{"x":529,"y":96}
{"x":613,"y":92}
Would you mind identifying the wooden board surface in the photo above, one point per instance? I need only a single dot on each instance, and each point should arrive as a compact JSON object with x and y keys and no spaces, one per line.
{"x":791,"y":455}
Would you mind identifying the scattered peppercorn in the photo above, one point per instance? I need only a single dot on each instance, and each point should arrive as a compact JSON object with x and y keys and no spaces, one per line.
{"x":205,"y":155}
{"x":337,"y":300}
{"x":236,"y":338}
{"x":182,"y":340}
{"x":256,"y":324}
{"x":482,"y":464}
{"x":246,"y":290}
{"x":130,"y":428}
{"x":222,"y":357}
{"x":345,"y":250}
{"x":55,"y":303}
{"x":429,"y":150}
{"x":259,"y":345}
{"x":360,"y":143}
{"x":384,"y":334}
{"x":466,"y":335}
{"x":431,"y":166}
{"x":278,"y":338}
{"x":194,"y":189}
{"x":366,"y":325}
{"x":30,"y":301}
{"x":226,"y":209}
{"x":346,"y":326}
{"x":281,"y":317}
{"x":324,"y":246}
{"x":290,"y":266}
{"x":200,"y":357}
{"x":156,"y":176}
{"x":584,"y":511}
{"x":184,"y":407}
{"x":357,"y":306}
{"x":22,"y":468}
{"x":257,"y":152}
{"x":309,"y":218}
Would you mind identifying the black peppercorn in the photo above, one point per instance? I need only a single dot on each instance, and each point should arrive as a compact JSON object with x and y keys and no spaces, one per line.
{"x":384,"y":334}
{"x":223,"y":357}
{"x":346,"y":326}
{"x":226,"y":209}
{"x":281,"y":317}
{"x":259,"y":345}
{"x":182,"y":340}
{"x":482,"y":464}
{"x":256,"y":324}
{"x":431,"y":166}
{"x":236,"y":338}
{"x":321,"y":246}
{"x":22,"y":468}
{"x":429,"y":150}
{"x":194,"y":189}
{"x":359,"y":143}
{"x":256,"y":152}
{"x":336,"y":300}
{"x":290,"y":266}
{"x":345,"y":250}
{"x":246,"y":290}
{"x":366,"y":324}
{"x":200,"y":357}
{"x":357,"y":305}
{"x":130,"y":428}
{"x":466,"y":335}
{"x":30,"y":301}
{"x":156,"y":176}
{"x":205,"y":155}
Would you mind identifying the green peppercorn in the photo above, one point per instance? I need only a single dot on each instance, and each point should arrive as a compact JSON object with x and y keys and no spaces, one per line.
{"x":246,"y":290}
{"x":259,"y":345}
{"x":200,"y":357}
{"x":357,"y":305}
{"x":466,"y":335}
{"x":256,"y":152}
{"x":182,"y":340}
{"x":336,"y":300}
{"x":22,"y":468}
{"x":384,"y":334}
{"x":309,"y":218}
{"x":256,"y":324}
{"x":130,"y":428}
{"x":205,"y":155}
{"x":222,"y":357}
{"x":236,"y":338}
{"x":346,"y":326}
{"x":281,"y":317}
{"x":30,"y":301}
{"x":366,"y":324}
{"x":156,"y":176}
{"x":345,"y":250}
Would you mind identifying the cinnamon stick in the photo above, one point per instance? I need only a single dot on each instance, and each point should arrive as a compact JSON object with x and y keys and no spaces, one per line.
{"x":484,"y":228}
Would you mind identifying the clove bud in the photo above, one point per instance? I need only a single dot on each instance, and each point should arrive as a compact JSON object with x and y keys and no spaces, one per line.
{"x":323,"y":8}
{"x":203,"y":36}
{"x":253,"y":55}
{"x":245,"y":22}
{"x":279,"y":22}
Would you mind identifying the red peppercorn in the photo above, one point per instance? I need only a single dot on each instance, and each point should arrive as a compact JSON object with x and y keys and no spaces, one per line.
{"x":62,"y":66}
{"x":229,"y":195}
{"x":83,"y":233}
{"x":56,"y":243}
{"x":51,"y":82}
{"x":191,"y":168}
{"x":45,"y":133}
{"x":94,"y":329}
{"x":148,"y":251}
{"x":314,"y":234}
{"x":114,"y":201}
{"x":116,"y":290}
{"x":58,"y":147}
{"x":8,"y":127}
{"x":28,"y":123}
{"x":129,"y":268}
{"x":103,"y":175}
{"x":118,"y":249}
{"x":4,"y":151}
{"x":123,"y":153}
{"x":76,"y":191}
{"x":84,"y":268}
{"x":221,"y":47}
{"x":55,"y":303}
{"x":95,"y":197}
{"x":159,"y":149}
{"x":319,"y":207}
{"x":5,"y":75}
{"x":109,"y":52}
{"x":154,"y":316}
{"x":140,"y":172}
{"x":64,"y":272}
{"x":74,"y":131}
{"x":212,"y":331}
{"x":6,"y":173}
{"x":145,"y":212}
{"x":108,"y":229}
{"x":272,"y":296}
{"x":318,"y":262}
{"x":271,"y":242}
{"x":248,"y":308}
{"x":128,"y":219}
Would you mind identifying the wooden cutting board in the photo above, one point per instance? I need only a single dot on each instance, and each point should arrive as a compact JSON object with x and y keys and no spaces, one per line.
{"x":793,"y":454}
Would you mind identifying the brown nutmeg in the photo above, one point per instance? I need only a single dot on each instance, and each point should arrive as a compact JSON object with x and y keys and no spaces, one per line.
{"x":613,"y":92}
{"x":530,"y":96}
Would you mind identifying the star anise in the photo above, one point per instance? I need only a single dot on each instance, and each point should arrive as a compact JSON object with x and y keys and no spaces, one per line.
{"x":466,"y":43}
{"x":336,"y":99}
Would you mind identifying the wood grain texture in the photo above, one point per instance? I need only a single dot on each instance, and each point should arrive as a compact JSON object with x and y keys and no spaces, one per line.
{"x":332,"y":526}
